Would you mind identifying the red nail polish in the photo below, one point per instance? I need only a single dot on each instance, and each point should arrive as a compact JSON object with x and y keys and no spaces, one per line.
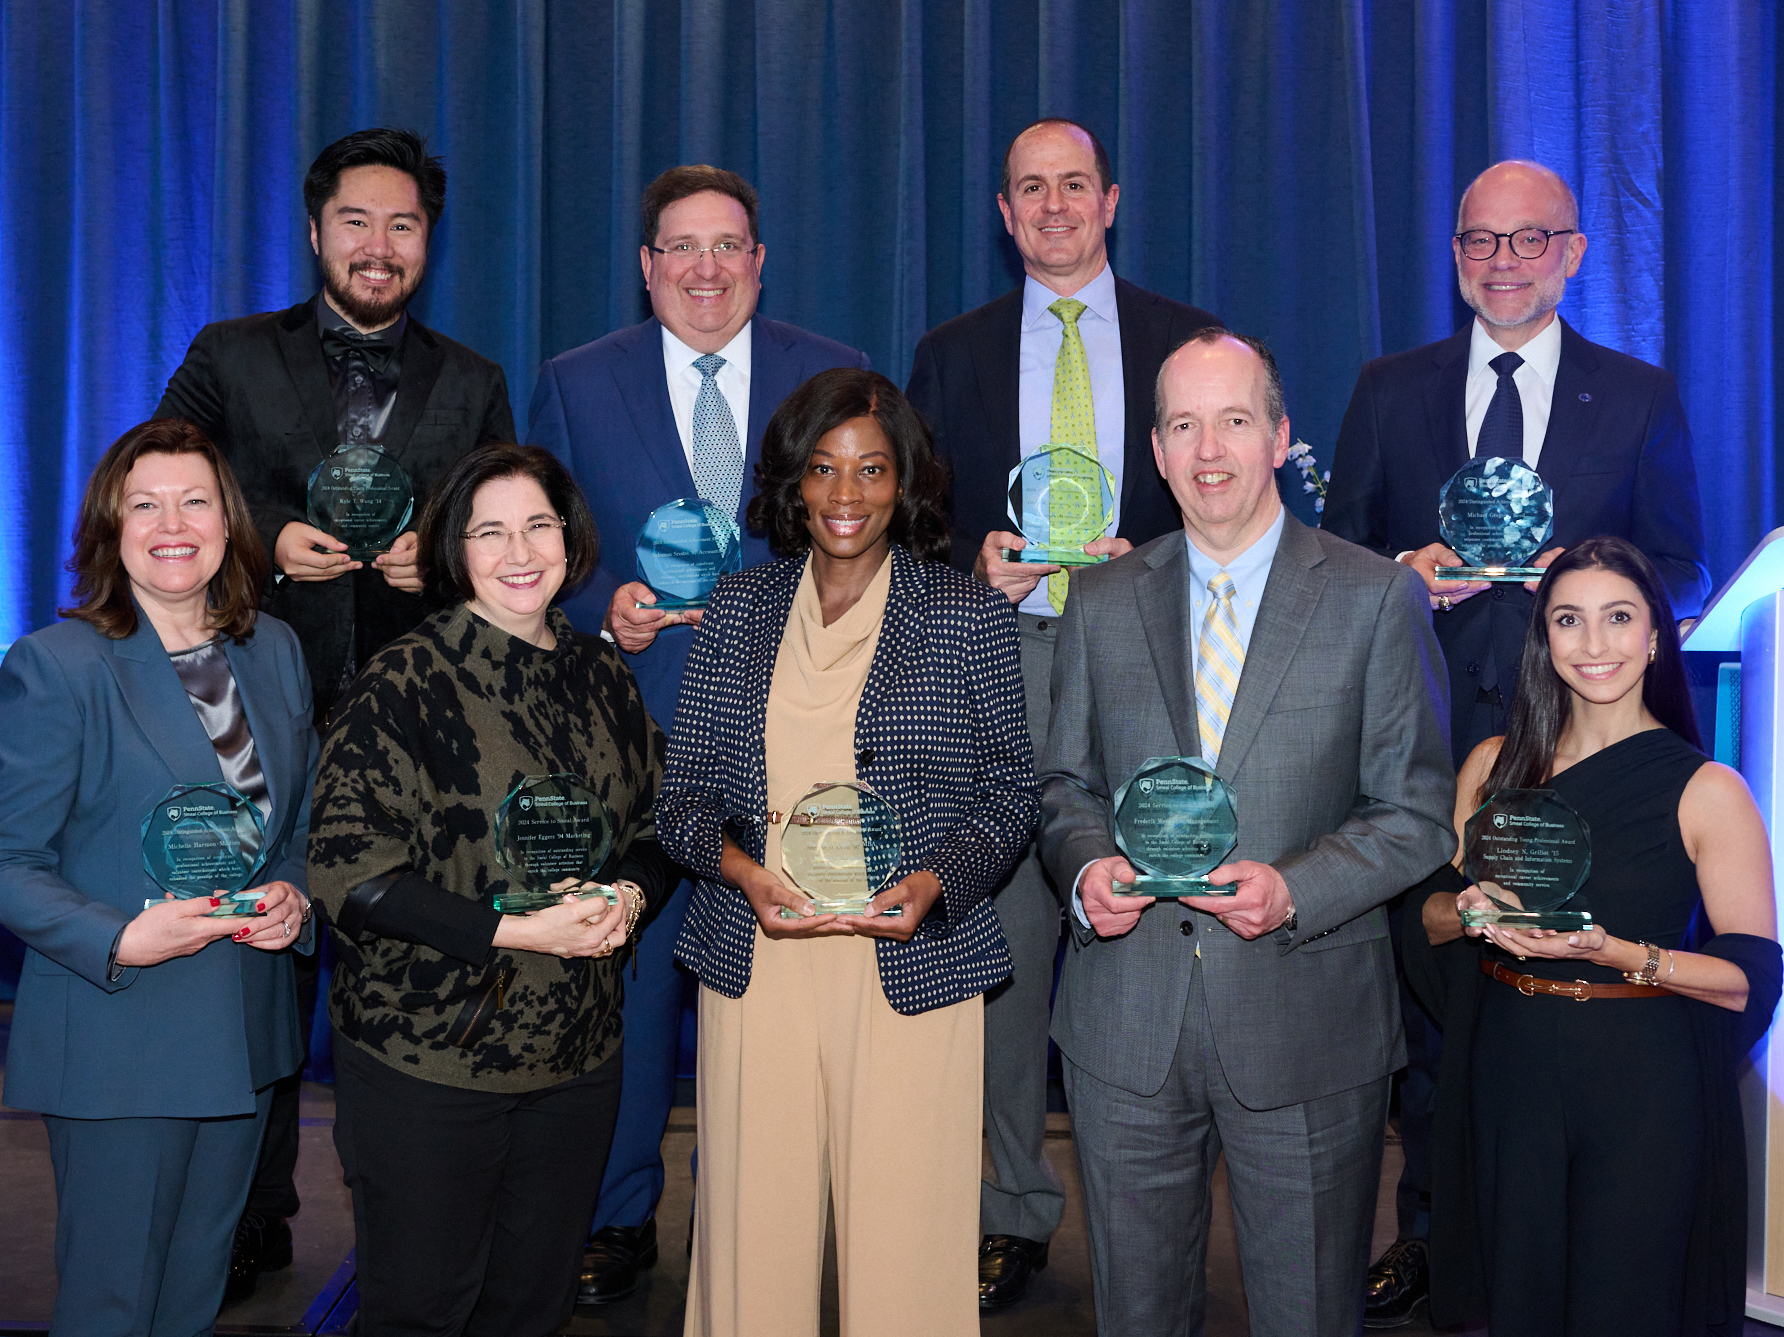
{"x":260,"y":907}
{"x":215,"y":902}
{"x":242,"y":934}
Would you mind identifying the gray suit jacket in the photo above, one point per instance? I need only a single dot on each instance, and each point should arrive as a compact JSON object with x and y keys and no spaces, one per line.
{"x":1337,"y":751}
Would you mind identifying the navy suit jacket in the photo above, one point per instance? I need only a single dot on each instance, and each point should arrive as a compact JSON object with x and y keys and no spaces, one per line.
{"x":965,"y":381}
{"x":603,"y":409}
{"x":940,"y":732}
{"x":97,"y":731}
{"x":1617,"y":453}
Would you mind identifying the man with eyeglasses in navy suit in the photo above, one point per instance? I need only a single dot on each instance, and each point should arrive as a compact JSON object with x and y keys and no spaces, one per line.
{"x":670,"y":408}
{"x":1606,"y":431}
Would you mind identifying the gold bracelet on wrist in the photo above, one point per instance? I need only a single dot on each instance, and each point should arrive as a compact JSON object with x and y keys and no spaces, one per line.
{"x":1650,"y":967}
{"x":635,"y":909}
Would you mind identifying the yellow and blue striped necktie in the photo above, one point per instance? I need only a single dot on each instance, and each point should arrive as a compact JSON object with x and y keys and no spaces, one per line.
{"x":1220,"y":660}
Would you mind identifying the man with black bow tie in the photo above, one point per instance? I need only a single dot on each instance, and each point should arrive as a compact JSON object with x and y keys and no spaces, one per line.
{"x":281,"y":391}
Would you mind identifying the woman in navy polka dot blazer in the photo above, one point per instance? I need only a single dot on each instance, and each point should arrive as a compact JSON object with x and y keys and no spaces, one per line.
{"x":841,"y":1054}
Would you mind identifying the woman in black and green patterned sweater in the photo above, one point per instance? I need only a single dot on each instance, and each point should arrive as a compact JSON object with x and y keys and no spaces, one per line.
{"x":477,"y":1055}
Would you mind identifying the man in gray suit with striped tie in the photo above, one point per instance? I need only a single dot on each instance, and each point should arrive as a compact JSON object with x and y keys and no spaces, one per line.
{"x":1264,"y":1024}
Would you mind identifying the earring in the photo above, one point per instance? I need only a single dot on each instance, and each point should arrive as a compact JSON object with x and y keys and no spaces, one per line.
{"x":1650,"y":655}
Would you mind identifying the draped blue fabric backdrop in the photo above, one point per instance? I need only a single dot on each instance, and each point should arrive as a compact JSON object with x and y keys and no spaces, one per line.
{"x":1291,"y":164}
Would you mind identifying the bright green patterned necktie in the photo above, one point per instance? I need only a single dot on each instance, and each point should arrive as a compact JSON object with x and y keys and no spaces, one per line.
{"x":1074,"y":424}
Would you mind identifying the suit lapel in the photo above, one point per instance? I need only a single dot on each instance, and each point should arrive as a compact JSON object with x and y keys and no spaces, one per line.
{"x":644,"y":390}
{"x":1162,"y":592}
{"x":1290,"y":596}
{"x":996,"y":367}
{"x":300,"y":345}
{"x":900,"y":631}
{"x":159,"y":705}
{"x":268,"y":722}
{"x":422,"y":360}
{"x":1445,"y":408}
{"x":1572,"y":411}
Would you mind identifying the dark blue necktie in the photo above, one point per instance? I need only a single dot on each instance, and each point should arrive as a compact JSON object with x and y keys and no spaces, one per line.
{"x":1502,"y":430}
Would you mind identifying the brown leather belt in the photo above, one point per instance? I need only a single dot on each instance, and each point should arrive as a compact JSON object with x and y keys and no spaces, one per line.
{"x":1578,"y":990}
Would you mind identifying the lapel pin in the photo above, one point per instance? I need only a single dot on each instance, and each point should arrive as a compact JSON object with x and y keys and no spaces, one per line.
{"x":1585,"y":398}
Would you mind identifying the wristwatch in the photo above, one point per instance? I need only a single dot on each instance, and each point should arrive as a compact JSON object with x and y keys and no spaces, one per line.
{"x":1293,"y":921}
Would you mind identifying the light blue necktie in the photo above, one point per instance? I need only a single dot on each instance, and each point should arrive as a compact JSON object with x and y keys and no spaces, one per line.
{"x":718,"y":459}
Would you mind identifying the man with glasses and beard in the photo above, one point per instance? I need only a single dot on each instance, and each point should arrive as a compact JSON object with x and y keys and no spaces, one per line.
{"x":1605,"y":431}
{"x":279,"y":393}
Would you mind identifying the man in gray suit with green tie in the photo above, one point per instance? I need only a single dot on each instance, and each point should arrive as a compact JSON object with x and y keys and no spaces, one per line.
{"x":1264,"y":1023}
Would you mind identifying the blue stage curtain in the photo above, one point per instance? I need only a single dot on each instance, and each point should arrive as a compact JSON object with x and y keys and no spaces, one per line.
{"x":1291,"y":164}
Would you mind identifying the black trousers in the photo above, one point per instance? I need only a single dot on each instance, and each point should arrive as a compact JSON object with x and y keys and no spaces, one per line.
{"x":470,"y":1208}
{"x":1588,"y":1123}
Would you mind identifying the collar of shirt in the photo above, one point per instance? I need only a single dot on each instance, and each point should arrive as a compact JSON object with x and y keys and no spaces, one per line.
{"x":327,"y":318}
{"x":1250,"y":571}
{"x":1535,"y":381}
{"x":1098,"y":295}
{"x":733,"y":381}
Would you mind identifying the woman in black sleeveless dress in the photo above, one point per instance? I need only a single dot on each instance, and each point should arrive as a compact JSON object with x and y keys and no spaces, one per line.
{"x":1590,"y":1157}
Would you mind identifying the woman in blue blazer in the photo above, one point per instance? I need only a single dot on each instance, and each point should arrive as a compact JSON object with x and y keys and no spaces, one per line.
{"x":149,"y":1038}
{"x":840,"y":1054}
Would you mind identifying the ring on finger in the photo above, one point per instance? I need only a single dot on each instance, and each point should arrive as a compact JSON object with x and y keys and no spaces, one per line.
{"x":1443,"y":603}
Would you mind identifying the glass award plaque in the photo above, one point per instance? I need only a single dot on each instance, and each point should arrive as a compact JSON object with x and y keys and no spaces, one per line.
{"x":363,"y":497}
{"x":205,"y":840}
{"x":1175,"y":821}
{"x":1496,"y":513}
{"x":551,"y":827}
{"x":685,"y":548}
{"x":1530,"y":853}
{"x":1060,"y":499}
{"x":841,"y":845}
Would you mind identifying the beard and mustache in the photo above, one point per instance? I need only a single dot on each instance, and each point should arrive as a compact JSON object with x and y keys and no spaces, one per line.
{"x":370,"y":311}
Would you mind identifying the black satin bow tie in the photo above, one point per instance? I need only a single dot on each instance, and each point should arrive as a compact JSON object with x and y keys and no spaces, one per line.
{"x":376,"y":351}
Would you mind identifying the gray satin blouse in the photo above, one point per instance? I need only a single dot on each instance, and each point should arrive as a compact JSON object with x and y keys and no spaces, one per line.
{"x":210,"y":686}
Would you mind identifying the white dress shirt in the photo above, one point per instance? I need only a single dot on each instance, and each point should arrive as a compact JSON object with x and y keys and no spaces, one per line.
{"x":1042,"y":334}
{"x":1250,"y":571}
{"x":684,"y":388}
{"x":1535,"y":381}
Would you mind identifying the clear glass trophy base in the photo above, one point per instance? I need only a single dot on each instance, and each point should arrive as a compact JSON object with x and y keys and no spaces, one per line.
{"x":668,"y":605}
{"x":234,"y":903}
{"x":1562,"y":921}
{"x":1507,"y":573}
{"x":1053,"y":556}
{"x":843,"y":905}
{"x":525,"y":902}
{"x":1169,"y":888}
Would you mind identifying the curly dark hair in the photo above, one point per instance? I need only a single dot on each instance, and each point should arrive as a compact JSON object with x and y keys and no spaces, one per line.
{"x":820,"y":406}
{"x":444,"y":570}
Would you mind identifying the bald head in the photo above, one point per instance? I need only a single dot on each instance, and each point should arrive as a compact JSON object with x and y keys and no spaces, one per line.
{"x":1534,"y":222}
{"x":1524,"y":177}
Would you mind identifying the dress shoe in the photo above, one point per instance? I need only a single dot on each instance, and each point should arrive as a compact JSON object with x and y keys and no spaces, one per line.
{"x":1005,"y":1264}
{"x":1397,"y":1285}
{"x":262,"y":1244}
{"x":613,"y":1260}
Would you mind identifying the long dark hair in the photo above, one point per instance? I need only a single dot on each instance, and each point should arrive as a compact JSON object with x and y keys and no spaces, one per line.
{"x":1543,"y":703}
{"x":821,"y":405}
{"x":102,"y":585}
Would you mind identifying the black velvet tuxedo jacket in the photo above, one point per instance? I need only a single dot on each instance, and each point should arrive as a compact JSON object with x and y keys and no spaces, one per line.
{"x":1617,"y":453}
{"x":964,"y":381}
{"x":259,"y":387}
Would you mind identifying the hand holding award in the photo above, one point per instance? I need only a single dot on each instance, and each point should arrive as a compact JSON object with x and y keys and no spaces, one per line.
{"x":205,"y":840}
{"x":1175,"y":821}
{"x":685,"y":548}
{"x":1529,"y":853}
{"x":363,"y":497}
{"x":1496,"y":513}
{"x":1060,"y":499}
{"x":551,"y":827}
{"x":841,"y":846}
